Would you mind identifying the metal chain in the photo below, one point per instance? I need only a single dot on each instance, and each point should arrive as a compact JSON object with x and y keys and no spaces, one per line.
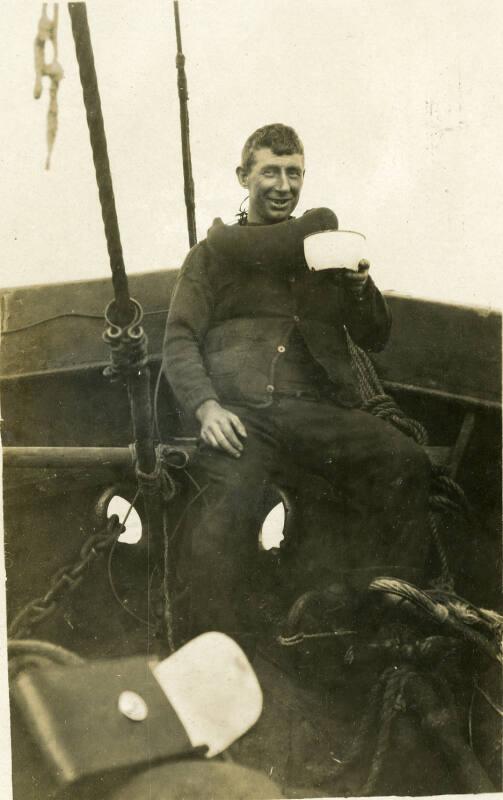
{"x":65,"y":580}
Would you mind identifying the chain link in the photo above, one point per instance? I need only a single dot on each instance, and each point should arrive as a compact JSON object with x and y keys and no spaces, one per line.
{"x":65,"y":580}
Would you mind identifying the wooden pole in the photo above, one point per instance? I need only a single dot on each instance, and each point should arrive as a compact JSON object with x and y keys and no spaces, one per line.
{"x":64,"y":457}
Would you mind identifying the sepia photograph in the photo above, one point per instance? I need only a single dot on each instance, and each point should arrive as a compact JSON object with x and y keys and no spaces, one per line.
{"x":250,"y":394}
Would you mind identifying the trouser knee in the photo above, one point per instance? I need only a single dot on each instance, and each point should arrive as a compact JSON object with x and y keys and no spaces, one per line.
{"x":402,"y":456}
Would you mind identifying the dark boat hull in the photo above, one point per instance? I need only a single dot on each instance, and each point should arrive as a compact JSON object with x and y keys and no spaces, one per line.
{"x":442,"y":362}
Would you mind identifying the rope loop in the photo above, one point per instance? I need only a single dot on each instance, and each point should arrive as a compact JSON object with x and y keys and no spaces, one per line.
{"x":149,"y":482}
{"x":128,"y":345}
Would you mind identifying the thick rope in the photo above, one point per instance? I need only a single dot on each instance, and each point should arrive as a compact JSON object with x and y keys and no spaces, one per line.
{"x":32,"y":653}
{"x":376,"y":401}
{"x":445,"y":578}
{"x":92,"y":102}
{"x":167,"y":605}
{"x":449,"y":610}
{"x":366,"y":727}
{"x":35,"y":647}
{"x":446,"y":496}
{"x":392,"y":702}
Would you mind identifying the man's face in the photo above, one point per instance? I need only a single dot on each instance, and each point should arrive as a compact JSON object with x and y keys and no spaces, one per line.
{"x":274,"y":184}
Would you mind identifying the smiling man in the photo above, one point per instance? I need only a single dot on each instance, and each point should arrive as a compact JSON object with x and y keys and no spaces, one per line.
{"x":256,"y":351}
{"x":273,"y":179}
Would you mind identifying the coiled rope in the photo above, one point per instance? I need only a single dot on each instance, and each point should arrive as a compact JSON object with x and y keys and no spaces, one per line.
{"x":453,"y":612}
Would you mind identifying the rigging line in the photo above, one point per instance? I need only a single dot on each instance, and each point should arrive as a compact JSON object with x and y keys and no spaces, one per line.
{"x":470,"y":719}
{"x":197,"y":486}
{"x":189,"y":504}
{"x":157,"y":430}
{"x":183,"y":96}
{"x":489,"y":699}
{"x":115,"y":593}
{"x":64,"y":315}
{"x":168,"y":610}
{"x":131,"y":506}
{"x":109,"y":569}
{"x":92,"y":102}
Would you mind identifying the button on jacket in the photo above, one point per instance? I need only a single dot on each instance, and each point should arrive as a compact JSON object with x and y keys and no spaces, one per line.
{"x":229,"y":324}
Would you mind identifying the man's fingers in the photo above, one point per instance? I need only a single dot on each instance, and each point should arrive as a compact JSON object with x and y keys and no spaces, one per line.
{"x":211,"y":439}
{"x":208,"y":438}
{"x":238,"y":426}
{"x":220,"y":432}
{"x":223,"y":442}
{"x":229,"y":434}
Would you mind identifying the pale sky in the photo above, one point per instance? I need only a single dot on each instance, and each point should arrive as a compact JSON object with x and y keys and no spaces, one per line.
{"x":398,"y":103}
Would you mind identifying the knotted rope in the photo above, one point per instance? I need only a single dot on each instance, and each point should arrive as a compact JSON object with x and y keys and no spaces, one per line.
{"x":376,"y":401}
{"x":48,"y":32}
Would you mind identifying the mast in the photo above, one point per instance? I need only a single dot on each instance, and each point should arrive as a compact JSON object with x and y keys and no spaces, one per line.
{"x":183,"y":95}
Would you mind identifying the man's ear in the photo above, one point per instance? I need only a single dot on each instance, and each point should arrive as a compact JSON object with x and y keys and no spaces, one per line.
{"x":242,"y":176}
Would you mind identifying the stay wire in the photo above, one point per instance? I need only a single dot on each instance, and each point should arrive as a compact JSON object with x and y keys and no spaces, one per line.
{"x":189,"y":504}
{"x":68,"y":314}
{"x":110,"y":576}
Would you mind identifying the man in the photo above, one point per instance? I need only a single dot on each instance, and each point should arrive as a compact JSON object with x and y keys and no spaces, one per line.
{"x":256,"y":350}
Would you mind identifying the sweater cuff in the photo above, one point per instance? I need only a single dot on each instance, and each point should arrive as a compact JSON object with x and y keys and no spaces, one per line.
{"x":197,"y":397}
{"x":367,"y":293}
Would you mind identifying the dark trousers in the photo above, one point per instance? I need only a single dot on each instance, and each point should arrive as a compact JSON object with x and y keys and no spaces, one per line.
{"x":381,"y":480}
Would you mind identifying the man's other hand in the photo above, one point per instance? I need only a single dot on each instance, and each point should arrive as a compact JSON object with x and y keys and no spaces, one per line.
{"x":221,"y":428}
{"x":355,"y":282}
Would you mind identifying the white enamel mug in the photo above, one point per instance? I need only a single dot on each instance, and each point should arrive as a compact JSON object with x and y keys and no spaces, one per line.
{"x":335,"y":250}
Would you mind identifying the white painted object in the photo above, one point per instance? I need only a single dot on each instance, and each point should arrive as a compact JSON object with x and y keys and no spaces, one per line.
{"x":133,"y":706}
{"x":335,"y":250}
{"x":213,"y":689}
{"x":271,"y":533}
{"x":133,"y":533}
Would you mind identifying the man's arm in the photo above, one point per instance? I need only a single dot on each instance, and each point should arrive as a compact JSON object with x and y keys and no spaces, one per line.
{"x":366,"y":314}
{"x":188,"y":321}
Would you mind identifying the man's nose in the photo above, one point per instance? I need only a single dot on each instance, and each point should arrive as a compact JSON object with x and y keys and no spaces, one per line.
{"x":283,"y":184}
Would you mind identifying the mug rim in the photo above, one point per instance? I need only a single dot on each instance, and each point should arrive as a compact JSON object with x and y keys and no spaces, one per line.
{"x":339,"y":230}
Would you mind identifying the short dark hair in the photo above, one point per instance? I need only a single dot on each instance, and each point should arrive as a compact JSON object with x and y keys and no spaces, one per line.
{"x":281,"y":139}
